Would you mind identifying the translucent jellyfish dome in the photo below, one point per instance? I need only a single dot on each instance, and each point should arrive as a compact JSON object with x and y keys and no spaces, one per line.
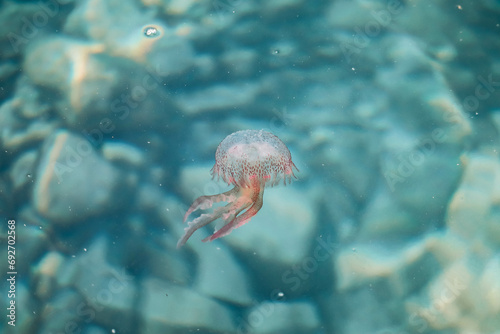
{"x":247,"y":156}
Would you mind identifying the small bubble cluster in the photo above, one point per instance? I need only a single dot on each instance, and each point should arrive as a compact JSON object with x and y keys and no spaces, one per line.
{"x":151,"y":32}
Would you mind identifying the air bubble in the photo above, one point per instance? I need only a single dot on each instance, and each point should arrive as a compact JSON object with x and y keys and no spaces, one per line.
{"x":151,"y":32}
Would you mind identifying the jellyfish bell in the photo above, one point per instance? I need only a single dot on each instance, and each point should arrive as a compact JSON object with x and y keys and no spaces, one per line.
{"x":249,"y":160}
{"x":251,"y":153}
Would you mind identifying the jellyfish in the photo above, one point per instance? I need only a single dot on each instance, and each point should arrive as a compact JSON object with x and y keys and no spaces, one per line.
{"x":249,"y":160}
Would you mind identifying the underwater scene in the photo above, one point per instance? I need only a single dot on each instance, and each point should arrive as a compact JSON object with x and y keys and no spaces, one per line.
{"x":250,"y":166}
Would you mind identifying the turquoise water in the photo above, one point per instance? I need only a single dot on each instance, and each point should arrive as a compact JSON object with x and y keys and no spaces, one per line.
{"x":111,"y":113}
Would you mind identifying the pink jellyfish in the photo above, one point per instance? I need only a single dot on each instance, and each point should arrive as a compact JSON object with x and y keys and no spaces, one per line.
{"x":249,"y":160}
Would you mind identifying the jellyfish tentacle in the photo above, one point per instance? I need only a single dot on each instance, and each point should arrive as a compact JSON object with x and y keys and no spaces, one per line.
{"x":231,"y":209}
{"x":231,"y":214}
{"x":257,"y":200}
{"x":199,"y":222}
{"x":236,"y":222}
{"x":206,"y":202}
{"x":241,"y":204}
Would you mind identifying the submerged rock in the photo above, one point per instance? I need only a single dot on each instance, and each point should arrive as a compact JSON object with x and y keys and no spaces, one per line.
{"x":478,"y":195}
{"x":283,"y":230}
{"x":396,"y":266}
{"x":226,"y":279}
{"x":109,"y":290}
{"x":73,"y":182}
{"x":165,"y":307}
{"x":277,"y":317}
{"x":119,"y":26}
{"x":217,"y":98}
{"x":96,"y":92}
{"x":22,"y":170}
{"x":59,"y":314}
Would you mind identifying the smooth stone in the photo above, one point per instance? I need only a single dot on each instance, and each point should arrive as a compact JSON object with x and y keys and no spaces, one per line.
{"x":67,"y":189}
{"x":492,"y":231}
{"x":375,"y":302}
{"x":218,"y":98}
{"x":21,"y":134}
{"x":240,"y":62}
{"x":448,"y":297}
{"x":489,"y":286}
{"x":33,"y":134}
{"x":100,"y":95}
{"x":384,"y":219}
{"x":30,"y":103}
{"x":412,"y":178}
{"x":220,"y":275}
{"x":292,"y":317}
{"x":411,"y":22}
{"x":179,"y":7}
{"x":282,"y":231}
{"x":433,"y":106}
{"x":72,"y":73}
{"x":123,"y":153}
{"x":448,"y":117}
{"x":19,"y":30}
{"x":25,"y":321}
{"x":46,"y":274}
{"x":169,"y":308}
{"x":22,"y":171}
{"x":396,"y":266}
{"x":350,"y":154}
{"x":166,"y":263}
{"x":7,"y":70}
{"x":110,"y":292}
{"x":471,"y":205}
{"x":373,"y":279}
{"x":60,"y":314}
{"x":35,"y":239}
{"x":122,"y":35}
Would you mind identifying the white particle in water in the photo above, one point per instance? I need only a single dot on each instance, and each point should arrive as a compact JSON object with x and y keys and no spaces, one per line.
{"x":151,"y":31}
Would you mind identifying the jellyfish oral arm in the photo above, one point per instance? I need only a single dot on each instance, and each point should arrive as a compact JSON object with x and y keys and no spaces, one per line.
{"x":206,"y":202}
{"x":199,"y":222}
{"x":239,"y":199}
{"x":242,"y":219}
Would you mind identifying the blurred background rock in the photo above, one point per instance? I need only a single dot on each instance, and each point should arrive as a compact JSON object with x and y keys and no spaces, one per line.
{"x":110,"y":115}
